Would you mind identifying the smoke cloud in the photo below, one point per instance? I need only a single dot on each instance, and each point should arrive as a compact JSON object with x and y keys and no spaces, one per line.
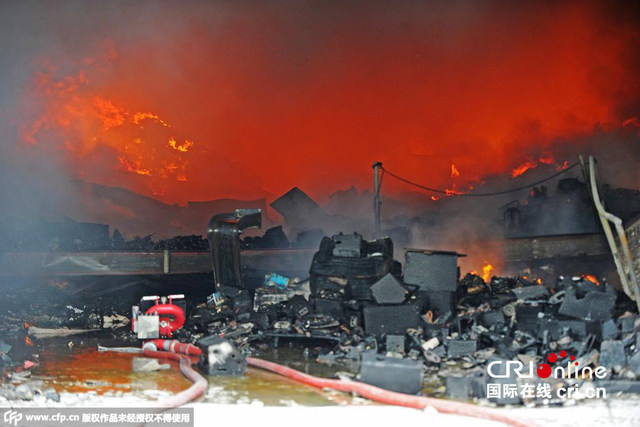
{"x":260,"y":96}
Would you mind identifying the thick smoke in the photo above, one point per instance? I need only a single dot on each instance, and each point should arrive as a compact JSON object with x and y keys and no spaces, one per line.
{"x":276,"y":94}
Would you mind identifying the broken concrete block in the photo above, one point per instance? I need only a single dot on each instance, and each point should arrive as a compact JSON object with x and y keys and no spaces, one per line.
{"x":529,"y":316}
{"x":442,"y":301}
{"x":459,"y":387}
{"x":595,"y":305}
{"x":472,"y":384}
{"x":431,"y":270}
{"x":528,"y":293}
{"x":401,"y":375}
{"x":347,"y":245}
{"x":634,"y":363}
{"x":492,"y":318}
{"x":388,"y":290}
{"x":479,"y":387}
{"x":298,"y":307}
{"x":395,"y":343}
{"x":329,"y":307}
{"x":458,"y":347}
{"x":609,"y":330}
{"x":394,"y":319}
{"x":627,"y":324}
{"x":421,"y":300}
{"x":559,"y":328}
{"x":612,"y":354}
{"x":298,"y":209}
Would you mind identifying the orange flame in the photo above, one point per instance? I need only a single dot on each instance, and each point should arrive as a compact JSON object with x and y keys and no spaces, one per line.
{"x":486,"y":271}
{"x":88,"y":119}
{"x":133,"y":166}
{"x":525,"y":166}
{"x":453,"y":191}
{"x":136,"y":118}
{"x":591,"y":278}
{"x":454,"y":171}
{"x":182,"y":147}
{"x":27,"y":341}
{"x":632,"y":122}
{"x":546,"y":158}
{"x":229,"y":92}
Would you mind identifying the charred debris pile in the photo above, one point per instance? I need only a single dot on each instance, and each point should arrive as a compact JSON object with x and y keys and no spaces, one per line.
{"x":412,"y":327}
{"x":568,"y":211}
{"x":424,"y":326}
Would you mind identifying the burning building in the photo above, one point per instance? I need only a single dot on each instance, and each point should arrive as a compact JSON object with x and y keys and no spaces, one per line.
{"x":201,"y":172}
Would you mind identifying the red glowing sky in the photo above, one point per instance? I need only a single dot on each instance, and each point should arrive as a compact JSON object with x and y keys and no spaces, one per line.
{"x":258,"y":97}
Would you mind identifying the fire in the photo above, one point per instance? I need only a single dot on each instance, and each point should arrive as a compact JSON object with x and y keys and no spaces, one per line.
{"x":133,"y":166}
{"x":92,"y":122}
{"x":27,"y":341}
{"x":632,"y":122}
{"x":524,"y":166}
{"x":486,"y":272}
{"x":182,"y":147}
{"x":232,"y":105}
{"x":546,"y":158}
{"x":453,"y":191}
{"x":139,"y":117}
{"x":591,"y":278}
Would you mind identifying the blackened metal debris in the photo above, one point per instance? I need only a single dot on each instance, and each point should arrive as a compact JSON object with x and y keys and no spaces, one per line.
{"x":423,"y":325}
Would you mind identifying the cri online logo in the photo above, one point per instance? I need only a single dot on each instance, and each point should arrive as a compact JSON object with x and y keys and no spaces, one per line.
{"x":544,"y":370}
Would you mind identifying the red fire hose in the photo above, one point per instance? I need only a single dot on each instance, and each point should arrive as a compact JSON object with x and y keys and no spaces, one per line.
{"x":385,"y":396}
{"x":183,"y":353}
{"x":172,"y":349}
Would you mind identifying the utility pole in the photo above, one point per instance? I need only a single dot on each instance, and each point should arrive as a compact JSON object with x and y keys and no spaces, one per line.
{"x":376,"y":197}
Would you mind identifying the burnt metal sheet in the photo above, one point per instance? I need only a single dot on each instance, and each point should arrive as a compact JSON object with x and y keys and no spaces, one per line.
{"x":555,"y":246}
{"x":142,"y":263}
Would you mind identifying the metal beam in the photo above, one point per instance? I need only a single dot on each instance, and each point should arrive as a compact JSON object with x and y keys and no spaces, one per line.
{"x":144,"y":263}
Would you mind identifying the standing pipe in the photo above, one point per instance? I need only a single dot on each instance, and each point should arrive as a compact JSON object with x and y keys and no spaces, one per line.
{"x":376,"y":197}
{"x":622,"y":258}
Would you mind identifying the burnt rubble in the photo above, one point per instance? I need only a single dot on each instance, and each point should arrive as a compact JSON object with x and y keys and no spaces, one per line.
{"x":83,"y":237}
{"x":360,"y":306}
{"x":421,"y":327}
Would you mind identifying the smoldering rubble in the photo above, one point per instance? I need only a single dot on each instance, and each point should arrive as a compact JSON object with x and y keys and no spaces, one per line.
{"x":415,"y":327}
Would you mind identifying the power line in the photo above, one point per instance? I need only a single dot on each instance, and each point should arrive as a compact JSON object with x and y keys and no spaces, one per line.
{"x":494,"y":193}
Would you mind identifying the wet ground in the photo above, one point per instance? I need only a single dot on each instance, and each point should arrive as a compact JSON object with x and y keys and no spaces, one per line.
{"x":74,"y":365}
{"x":85,"y":377}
